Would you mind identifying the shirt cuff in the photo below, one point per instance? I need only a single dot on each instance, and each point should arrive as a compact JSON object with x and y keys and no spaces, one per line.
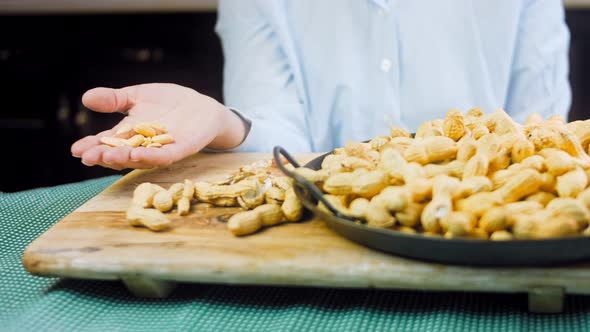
{"x":263,"y":133}
{"x":273,"y":129}
{"x":247,"y":123}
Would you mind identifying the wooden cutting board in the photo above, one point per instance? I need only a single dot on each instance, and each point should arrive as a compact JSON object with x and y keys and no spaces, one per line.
{"x":96,"y":242}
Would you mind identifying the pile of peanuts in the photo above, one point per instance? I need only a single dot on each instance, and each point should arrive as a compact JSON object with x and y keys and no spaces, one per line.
{"x":472,"y":175}
{"x":267,"y":198}
{"x":467,"y":175}
{"x":151,"y":135}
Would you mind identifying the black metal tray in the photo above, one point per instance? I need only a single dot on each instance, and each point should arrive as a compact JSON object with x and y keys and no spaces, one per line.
{"x":461,"y":251}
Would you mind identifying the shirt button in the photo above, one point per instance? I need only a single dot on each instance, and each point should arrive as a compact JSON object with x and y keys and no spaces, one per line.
{"x":385,"y":65}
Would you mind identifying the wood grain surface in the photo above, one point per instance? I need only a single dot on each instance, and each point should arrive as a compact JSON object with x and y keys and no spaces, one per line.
{"x":96,"y":242}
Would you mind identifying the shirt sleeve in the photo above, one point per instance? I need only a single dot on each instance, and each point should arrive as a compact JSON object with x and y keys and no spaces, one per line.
{"x":539,"y":76}
{"x":258,"y":79}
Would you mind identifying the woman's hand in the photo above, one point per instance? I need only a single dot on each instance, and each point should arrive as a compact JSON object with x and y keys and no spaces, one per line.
{"x":194,"y":120}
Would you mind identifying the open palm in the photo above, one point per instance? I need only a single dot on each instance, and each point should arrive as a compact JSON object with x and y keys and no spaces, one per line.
{"x":193,"y":119}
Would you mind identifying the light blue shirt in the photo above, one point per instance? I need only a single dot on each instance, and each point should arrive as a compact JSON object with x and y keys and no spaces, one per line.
{"x":311,"y":75}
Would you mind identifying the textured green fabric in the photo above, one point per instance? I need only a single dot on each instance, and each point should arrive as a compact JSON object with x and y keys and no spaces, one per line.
{"x":29,"y":303}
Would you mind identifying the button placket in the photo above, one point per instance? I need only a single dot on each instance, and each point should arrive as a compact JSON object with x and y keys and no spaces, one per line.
{"x":385,"y":63}
{"x":396,"y":65}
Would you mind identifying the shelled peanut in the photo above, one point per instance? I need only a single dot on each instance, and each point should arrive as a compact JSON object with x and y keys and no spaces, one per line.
{"x":474,"y":175}
{"x":151,"y":135}
{"x":267,"y":199}
{"x":150,"y":202}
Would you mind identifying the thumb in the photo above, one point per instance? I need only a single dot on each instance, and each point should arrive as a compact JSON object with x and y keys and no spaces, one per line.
{"x":108,"y":100}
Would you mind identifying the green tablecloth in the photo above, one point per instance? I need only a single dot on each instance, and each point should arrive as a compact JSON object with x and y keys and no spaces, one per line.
{"x":29,"y":303}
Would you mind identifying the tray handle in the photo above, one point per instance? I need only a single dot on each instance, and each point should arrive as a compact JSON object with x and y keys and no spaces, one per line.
{"x":303,"y":183}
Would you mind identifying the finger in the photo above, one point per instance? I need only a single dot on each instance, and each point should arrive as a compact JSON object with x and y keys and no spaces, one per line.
{"x":80,"y":146}
{"x":120,"y":158}
{"x":93,"y":156}
{"x":152,"y":156}
{"x":130,"y":164}
{"x":163,"y":156}
{"x":108,"y":100}
{"x":116,"y":155}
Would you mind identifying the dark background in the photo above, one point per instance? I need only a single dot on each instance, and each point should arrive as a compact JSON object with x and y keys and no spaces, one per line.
{"x":47,"y":62}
